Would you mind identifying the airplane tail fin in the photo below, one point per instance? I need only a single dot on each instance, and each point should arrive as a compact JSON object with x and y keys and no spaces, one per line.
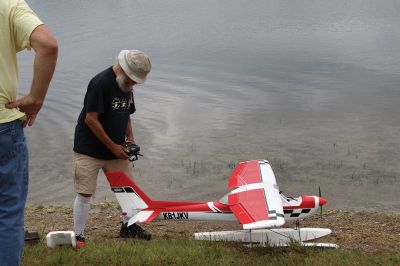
{"x":133,"y":201}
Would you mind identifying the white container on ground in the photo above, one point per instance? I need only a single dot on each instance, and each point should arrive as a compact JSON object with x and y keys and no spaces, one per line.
{"x":59,"y":238}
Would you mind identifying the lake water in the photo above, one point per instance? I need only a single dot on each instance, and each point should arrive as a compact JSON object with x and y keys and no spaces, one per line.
{"x":311,"y":86}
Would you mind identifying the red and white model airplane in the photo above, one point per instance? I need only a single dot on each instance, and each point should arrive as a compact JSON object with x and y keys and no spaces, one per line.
{"x":254,"y":200}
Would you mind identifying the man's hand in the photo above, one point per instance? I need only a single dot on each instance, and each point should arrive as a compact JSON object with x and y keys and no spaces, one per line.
{"x":130,"y":140}
{"x":29,"y":105}
{"x":120,"y":152}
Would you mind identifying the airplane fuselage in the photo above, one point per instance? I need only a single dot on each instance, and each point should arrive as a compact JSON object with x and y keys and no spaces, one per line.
{"x":294,"y":209}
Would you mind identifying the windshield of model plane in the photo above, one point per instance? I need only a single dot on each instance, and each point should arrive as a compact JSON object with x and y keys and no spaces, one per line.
{"x":287,"y":198}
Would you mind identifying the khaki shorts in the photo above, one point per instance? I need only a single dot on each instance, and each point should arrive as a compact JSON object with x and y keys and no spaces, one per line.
{"x":85,"y":170}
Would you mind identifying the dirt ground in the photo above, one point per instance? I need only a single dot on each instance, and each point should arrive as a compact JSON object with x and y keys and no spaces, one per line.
{"x":366,"y":231}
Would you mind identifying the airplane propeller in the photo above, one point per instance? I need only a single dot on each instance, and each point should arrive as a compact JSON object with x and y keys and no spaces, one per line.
{"x":322,"y":201}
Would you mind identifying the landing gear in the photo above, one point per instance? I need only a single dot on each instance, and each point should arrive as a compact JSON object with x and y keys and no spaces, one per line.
{"x":297,"y":225}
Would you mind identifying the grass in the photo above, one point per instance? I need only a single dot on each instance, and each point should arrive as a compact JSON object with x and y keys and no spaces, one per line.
{"x":365,"y":238}
{"x":185,"y":251}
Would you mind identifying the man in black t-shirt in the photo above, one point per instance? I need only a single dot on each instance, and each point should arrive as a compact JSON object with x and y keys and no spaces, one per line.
{"x":104,"y":125}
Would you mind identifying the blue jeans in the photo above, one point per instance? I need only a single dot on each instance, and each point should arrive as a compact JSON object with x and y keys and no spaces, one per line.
{"x":13,"y":191}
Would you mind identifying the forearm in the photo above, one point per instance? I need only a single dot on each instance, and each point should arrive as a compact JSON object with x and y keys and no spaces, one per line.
{"x":46,"y":52}
{"x":129,"y":132}
{"x":94,"y":125}
{"x":43,"y":69}
{"x":99,"y":132}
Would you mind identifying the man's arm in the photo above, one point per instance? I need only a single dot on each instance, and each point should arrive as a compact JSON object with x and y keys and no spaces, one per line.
{"x":129,"y":132}
{"x":92,"y":121}
{"x":46,"y":51}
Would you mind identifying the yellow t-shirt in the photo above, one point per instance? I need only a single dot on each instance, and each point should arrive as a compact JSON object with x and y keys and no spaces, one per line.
{"x":17,"y":21}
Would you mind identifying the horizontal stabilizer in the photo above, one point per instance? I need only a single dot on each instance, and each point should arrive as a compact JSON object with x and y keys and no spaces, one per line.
{"x":143,"y":216}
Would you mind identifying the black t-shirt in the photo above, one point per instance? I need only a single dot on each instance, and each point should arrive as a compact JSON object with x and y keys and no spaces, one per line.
{"x":114,"y":107}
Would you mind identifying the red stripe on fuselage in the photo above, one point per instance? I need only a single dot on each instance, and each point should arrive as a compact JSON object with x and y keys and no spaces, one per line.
{"x":176,"y":206}
{"x":222,"y":207}
{"x":153,"y":216}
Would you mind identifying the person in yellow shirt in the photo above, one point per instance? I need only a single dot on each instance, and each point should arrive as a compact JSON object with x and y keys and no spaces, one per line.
{"x":20,"y":28}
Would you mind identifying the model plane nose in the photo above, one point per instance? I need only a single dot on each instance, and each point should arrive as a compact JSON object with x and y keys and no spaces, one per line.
{"x":322,"y":201}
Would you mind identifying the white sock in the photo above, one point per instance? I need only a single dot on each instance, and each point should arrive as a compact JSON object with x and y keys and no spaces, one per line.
{"x":81,"y":213}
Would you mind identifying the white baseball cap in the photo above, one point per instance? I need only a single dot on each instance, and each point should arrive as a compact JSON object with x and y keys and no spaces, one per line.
{"x":135,"y":64}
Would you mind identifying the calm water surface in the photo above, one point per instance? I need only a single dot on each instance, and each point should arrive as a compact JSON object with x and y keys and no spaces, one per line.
{"x":312,"y":86}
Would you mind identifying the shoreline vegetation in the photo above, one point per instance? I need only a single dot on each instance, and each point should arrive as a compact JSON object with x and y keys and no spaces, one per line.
{"x":369,"y":238}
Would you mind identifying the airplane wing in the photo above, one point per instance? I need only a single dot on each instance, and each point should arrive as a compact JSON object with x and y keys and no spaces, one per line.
{"x":245,"y":173}
{"x":255,"y":201}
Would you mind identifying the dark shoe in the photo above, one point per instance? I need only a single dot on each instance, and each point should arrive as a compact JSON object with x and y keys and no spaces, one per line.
{"x":124,"y":231}
{"x":80,"y":241}
{"x":139,"y":232}
{"x":31,"y":237}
